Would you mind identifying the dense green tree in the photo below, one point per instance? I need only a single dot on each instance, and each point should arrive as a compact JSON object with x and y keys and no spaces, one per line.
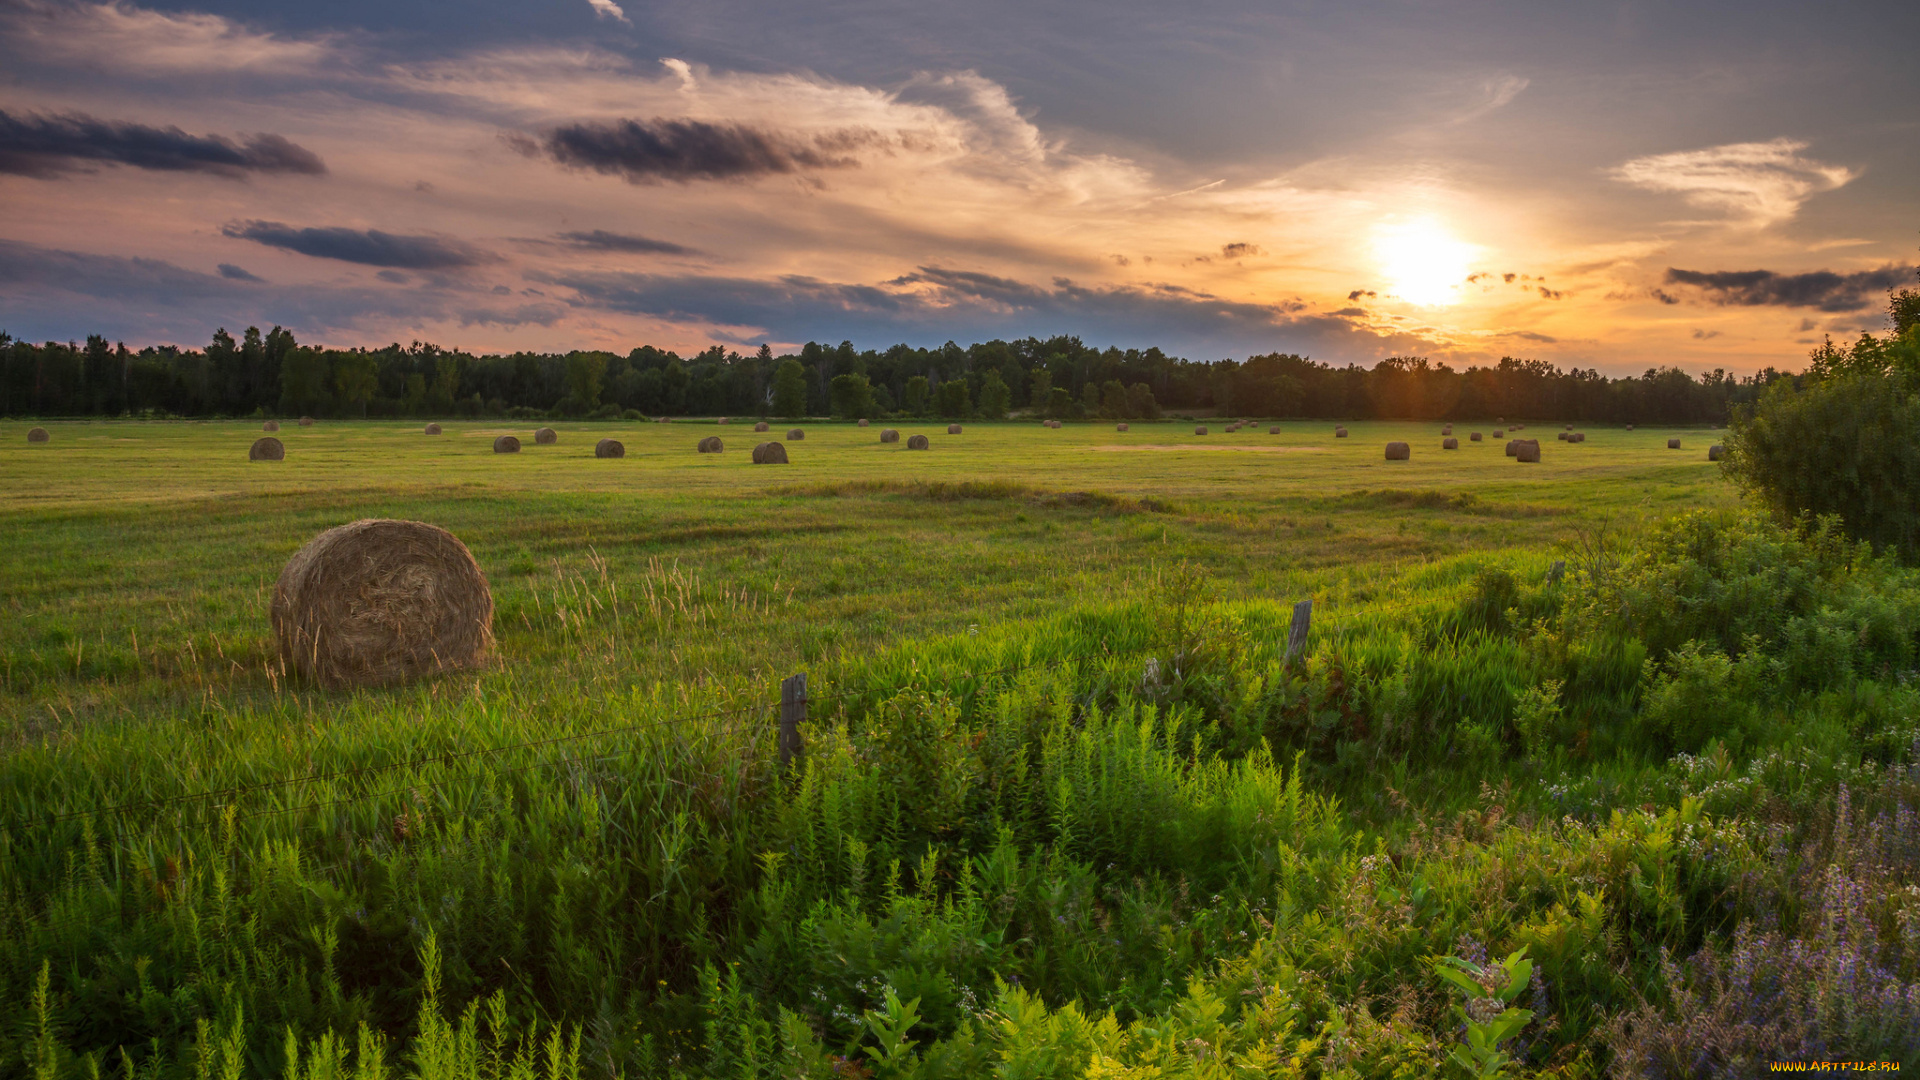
{"x":852,"y":396}
{"x":996,"y":398}
{"x":790,"y":390}
{"x":1113,"y":401}
{"x":955,"y":402}
{"x":356,"y":380}
{"x":915,"y":399}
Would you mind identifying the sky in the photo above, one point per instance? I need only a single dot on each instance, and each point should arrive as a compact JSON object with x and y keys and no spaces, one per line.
{"x":1608,"y":185}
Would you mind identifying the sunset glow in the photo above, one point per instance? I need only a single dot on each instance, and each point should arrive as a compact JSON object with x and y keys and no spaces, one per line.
{"x":1422,"y":262}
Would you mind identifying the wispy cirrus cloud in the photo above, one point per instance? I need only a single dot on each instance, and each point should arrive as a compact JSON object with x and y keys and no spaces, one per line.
{"x":1755,"y":184}
{"x":602,"y":240}
{"x":1823,"y":290}
{"x":368,"y":247}
{"x":683,"y":150}
{"x":144,"y":41}
{"x":50,"y":146}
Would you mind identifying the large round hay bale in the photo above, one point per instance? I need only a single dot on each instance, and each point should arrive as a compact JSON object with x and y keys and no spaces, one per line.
{"x":1449,"y":444}
{"x":306,"y":421}
{"x":1119,"y":427}
{"x":863,"y":421}
{"x":1673,"y":444}
{"x":711,"y":445}
{"x":546,"y":436}
{"x":382,"y":601}
{"x":609,"y":448}
{"x":953,"y":429}
{"x":271,"y":425}
{"x":433,"y":429}
{"x":763,"y":426}
{"x":1200,"y":430}
{"x":38,"y":434}
{"x":1499,"y":434}
{"x":1528,"y":450}
{"x":1513,"y":447}
{"x":917,"y":442}
{"x":1475,"y":437}
{"x":796,"y":435}
{"x":1339,"y":433}
{"x":267,"y":448}
{"x":770,"y":453}
{"x":1715,"y":452}
{"x":889,"y":435}
{"x":1399,"y":451}
{"x":1447,"y":430}
{"x":506,"y":444}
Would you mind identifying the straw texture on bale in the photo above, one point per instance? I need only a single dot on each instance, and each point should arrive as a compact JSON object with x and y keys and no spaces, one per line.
{"x":1715,"y":452}
{"x":38,"y":434}
{"x":1673,"y":444}
{"x":609,"y":448}
{"x":1399,"y":451}
{"x":379,"y":602}
{"x":889,"y":435}
{"x":1527,"y":450}
{"x":1339,"y":433}
{"x":710,"y":445}
{"x":433,"y":429}
{"x":953,"y":429}
{"x":1119,"y":427}
{"x":271,"y":425}
{"x":770,"y":453}
{"x":546,"y":436}
{"x":1201,"y":430}
{"x":306,"y":421}
{"x":796,"y":435}
{"x":1449,"y":444}
{"x":762,"y":426}
{"x":506,"y":444}
{"x":917,"y":442}
{"x":267,"y":448}
{"x":1475,"y":437}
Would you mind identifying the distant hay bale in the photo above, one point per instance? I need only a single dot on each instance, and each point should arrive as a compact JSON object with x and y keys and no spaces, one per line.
{"x":306,"y":421}
{"x":1569,"y":427}
{"x":1399,"y":451}
{"x":379,"y":602}
{"x":889,"y":435}
{"x":1119,"y":427}
{"x":1499,"y":434}
{"x":710,"y":445}
{"x":38,"y":434}
{"x":1562,"y":436}
{"x":1527,"y":450}
{"x":267,"y":448}
{"x":1629,"y":427}
{"x":1447,"y":430}
{"x":796,"y":435}
{"x":722,"y":420}
{"x":762,"y":426}
{"x":433,"y":429}
{"x":1475,"y":437}
{"x":863,"y":421}
{"x":1715,"y":452}
{"x":953,"y":429}
{"x":1274,"y":430}
{"x":1578,"y":436}
{"x":1513,"y":447}
{"x":610,"y":448}
{"x":1339,"y":433}
{"x":271,"y":425}
{"x":546,"y":436}
{"x":1673,"y":444}
{"x":506,"y":444}
{"x":1201,"y":430}
{"x":1449,"y":444}
{"x":770,"y":453}
{"x":917,"y":442}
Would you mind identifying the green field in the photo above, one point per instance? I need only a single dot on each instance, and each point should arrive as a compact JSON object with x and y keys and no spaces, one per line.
{"x":1066,"y":805}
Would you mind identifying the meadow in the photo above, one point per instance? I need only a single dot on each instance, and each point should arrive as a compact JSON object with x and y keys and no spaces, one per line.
{"x":1582,"y":732}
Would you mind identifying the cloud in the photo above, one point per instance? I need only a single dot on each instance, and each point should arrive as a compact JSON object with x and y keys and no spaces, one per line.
{"x":141,"y":41}
{"x":607,"y":9}
{"x":686,"y":150}
{"x":1358,"y":293}
{"x":1530,"y":335}
{"x":1496,"y":93}
{"x":1754,"y":184}
{"x":369,"y":247}
{"x":49,"y":146}
{"x":602,"y":240}
{"x":1703,"y":335}
{"x":1240,"y":250}
{"x":235,"y":273}
{"x":1821,"y":289}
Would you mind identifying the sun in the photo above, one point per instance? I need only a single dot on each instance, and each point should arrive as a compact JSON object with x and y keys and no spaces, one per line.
{"x":1422,"y":262}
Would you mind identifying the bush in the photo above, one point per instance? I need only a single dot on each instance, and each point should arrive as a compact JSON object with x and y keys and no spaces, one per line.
{"x":633,"y":414}
{"x":1843,"y":446}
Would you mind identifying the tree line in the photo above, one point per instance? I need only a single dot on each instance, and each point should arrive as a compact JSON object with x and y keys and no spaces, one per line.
{"x":1061,"y":377}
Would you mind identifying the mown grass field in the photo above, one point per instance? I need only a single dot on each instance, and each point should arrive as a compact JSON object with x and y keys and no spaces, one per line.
{"x":1067,"y":808}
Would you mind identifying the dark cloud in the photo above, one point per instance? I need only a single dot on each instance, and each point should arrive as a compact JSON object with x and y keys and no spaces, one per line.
{"x":1664,"y":296}
{"x":1823,"y":290}
{"x":1550,"y":294}
{"x":1702,"y":335}
{"x":1529,"y":335}
{"x":1358,"y":293}
{"x":235,"y":273}
{"x":1352,"y":312}
{"x":394,"y":277}
{"x":1240,"y":250}
{"x":49,"y":146}
{"x":370,"y":247}
{"x":643,"y":151}
{"x":602,"y":240}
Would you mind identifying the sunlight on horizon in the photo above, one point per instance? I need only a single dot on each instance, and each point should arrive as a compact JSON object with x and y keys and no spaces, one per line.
{"x":1423,"y":261}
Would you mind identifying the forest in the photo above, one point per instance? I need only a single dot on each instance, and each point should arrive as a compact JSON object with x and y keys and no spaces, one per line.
{"x":272,"y":374}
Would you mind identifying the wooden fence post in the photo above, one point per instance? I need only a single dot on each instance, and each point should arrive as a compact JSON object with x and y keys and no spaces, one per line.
{"x":1297,"y":634}
{"x":793,"y":710}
